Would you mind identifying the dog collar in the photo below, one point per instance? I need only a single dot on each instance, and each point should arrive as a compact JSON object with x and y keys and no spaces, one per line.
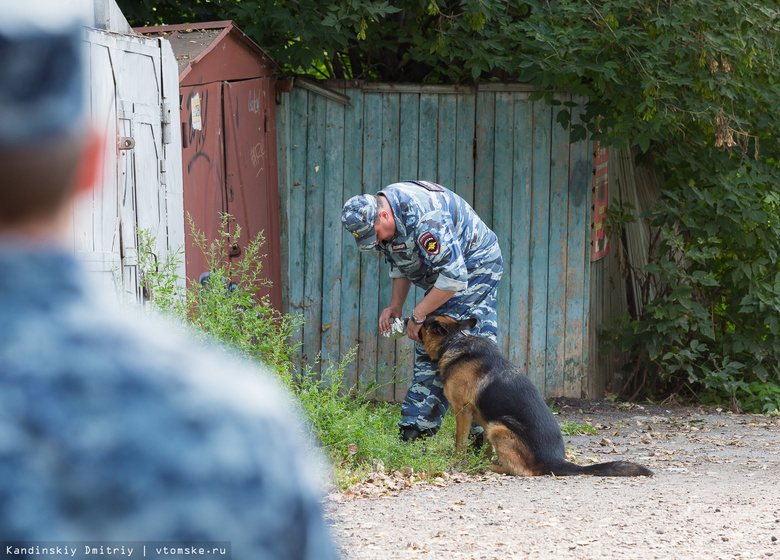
{"x":452,"y":341}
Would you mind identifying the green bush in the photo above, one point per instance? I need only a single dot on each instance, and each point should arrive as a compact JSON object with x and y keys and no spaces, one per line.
{"x":710,"y":321}
{"x":227,"y":306}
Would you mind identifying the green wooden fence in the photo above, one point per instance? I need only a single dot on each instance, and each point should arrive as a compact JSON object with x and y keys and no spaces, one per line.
{"x":506,"y":155}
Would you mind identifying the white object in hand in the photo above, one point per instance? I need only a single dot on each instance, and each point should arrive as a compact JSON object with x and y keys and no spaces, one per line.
{"x":397,"y":329}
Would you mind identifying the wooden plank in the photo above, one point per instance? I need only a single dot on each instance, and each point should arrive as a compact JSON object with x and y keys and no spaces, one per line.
{"x":410,"y":132}
{"x":586,"y":343}
{"x":448,"y":106}
{"x":325,"y":92}
{"x":299,"y":122}
{"x":517,"y":275}
{"x":128,"y":218}
{"x":464,"y":147}
{"x":96,"y":216}
{"x":578,"y":245}
{"x":391,"y":140}
{"x":539,"y":239}
{"x":350,"y":258}
{"x":146,"y":175}
{"x":503,"y":170}
{"x":283,"y":111}
{"x":408,"y":158}
{"x":314,"y":223}
{"x":333,"y":186}
{"x":174,"y":187}
{"x":427,"y":163}
{"x":559,"y":270}
{"x":499,"y":87}
{"x":429,"y":89}
{"x":370,"y":262}
{"x":483,"y":175}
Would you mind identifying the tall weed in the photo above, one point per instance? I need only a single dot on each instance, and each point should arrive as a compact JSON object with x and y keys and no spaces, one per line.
{"x":225,"y":304}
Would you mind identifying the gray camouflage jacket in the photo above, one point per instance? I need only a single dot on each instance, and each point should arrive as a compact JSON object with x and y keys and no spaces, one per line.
{"x":116,"y":428}
{"x":439,"y":240}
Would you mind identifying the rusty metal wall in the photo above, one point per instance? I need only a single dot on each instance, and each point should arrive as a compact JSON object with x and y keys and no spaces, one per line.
{"x":203,"y":167}
{"x":251,"y":175}
{"x":229,"y":160}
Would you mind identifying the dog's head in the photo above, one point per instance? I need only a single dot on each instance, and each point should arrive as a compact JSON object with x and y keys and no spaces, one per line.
{"x":436,"y":329}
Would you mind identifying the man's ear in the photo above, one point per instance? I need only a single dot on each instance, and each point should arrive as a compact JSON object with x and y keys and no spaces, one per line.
{"x":385,"y":214}
{"x":90,"y":165}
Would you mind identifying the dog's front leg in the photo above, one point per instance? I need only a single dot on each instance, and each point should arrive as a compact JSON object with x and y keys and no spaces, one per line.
{"x":463,"y":419}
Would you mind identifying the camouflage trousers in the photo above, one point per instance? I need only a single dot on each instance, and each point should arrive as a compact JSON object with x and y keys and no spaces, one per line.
{"x":425,"y":404}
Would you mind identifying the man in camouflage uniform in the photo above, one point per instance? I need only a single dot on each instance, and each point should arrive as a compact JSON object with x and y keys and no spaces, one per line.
{"x":114,"y":428}
{"x":433,"y":239}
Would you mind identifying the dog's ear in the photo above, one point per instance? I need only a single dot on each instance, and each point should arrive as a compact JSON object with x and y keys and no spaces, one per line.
{"x":440,"y":328}
{"x":470,"y":323}
{"x":436,"y":327}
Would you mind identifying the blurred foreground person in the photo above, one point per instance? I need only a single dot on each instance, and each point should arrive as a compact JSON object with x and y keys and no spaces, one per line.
{"x":111,"y":427}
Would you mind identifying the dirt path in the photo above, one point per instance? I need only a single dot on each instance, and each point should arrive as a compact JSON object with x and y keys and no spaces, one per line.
{"x":715,"y":494}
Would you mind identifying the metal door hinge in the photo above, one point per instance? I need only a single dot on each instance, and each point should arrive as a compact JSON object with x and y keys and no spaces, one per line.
{"x":165,"y":122}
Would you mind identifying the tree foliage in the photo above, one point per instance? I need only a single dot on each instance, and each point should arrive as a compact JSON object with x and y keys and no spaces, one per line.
{"x":692,"y":84}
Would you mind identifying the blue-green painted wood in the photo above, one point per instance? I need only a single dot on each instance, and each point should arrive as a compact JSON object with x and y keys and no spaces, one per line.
{"x":483,"y":166}
{"x":540,"y":226}
{"x":526,"y":181}
{"x":409,"y":120}
{"x":502,"y":205}
{"x":299,"y":103}
{"x":518,"y":274}
{"x":578,"y":264}
{"x":557,"y":256}
{"x":428,"y":140}
{"x":585,"y":152}
{"x":370,"y":262}
{"x":464,"y":161}
{"x":447,"y":141}
{"x":313,"y":240}
{"x":349,"y":328}
{"x":333,"y":185}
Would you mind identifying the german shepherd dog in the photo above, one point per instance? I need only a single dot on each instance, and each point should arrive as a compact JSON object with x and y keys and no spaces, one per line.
{"x":482,"y":385}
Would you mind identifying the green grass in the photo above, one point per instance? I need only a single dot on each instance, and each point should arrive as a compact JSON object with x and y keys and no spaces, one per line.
{"x":570,"y":428}
{"x":356,"y":434}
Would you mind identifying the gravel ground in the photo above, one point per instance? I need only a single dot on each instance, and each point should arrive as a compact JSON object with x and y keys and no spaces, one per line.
{"x":715,"y":494}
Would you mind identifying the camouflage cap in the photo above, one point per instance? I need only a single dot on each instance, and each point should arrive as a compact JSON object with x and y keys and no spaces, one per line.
{"x":43,"y":91}
{"x":358,"y":217}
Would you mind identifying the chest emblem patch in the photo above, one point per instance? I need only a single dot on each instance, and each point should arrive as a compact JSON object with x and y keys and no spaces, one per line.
{"x":429,"y":242}
{"x":398,"y":246}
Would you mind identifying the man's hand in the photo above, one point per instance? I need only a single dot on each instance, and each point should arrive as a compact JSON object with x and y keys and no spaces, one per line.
{"x":391,"y":312}
{"x":413,"y":331}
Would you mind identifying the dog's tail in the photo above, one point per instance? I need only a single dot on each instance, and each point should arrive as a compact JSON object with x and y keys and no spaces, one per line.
{"x":614,"y":468}
{"x":560,"y":467}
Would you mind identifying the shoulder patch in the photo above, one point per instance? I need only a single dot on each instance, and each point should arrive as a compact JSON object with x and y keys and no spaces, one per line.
{"x":428,"y":185}
{"x":429,"y":242}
